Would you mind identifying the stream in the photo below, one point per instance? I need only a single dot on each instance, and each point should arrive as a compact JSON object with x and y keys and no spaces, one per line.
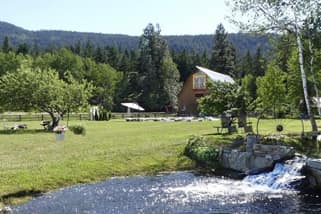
{"x":182,"y":192}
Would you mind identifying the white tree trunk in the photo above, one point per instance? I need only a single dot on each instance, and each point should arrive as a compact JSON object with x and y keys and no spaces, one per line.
{"x":313,"y":77}
{"x":304,"y":82}
{"x":303,"y":75}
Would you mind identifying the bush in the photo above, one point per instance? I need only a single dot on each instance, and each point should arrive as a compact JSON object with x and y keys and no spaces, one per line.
{"x":78,"y":129}
{"x":202,"y":151}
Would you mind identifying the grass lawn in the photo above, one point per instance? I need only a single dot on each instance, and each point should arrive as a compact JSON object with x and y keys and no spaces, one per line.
{"x":32,"y":161}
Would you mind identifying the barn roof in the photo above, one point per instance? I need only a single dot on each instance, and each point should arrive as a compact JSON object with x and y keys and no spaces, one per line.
{"x":215,"y":76}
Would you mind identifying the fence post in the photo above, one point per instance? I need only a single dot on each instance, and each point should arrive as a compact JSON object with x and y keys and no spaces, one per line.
{"x":80,"y":116}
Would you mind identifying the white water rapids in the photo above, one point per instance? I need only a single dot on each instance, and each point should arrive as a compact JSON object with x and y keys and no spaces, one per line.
{"x":282,"y":177}
{"x":275,"y":183}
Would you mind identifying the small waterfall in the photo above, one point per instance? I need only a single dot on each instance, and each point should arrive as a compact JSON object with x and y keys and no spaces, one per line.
{"x":284,"y":175}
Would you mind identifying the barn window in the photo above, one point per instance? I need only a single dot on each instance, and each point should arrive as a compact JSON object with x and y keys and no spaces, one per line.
{"x":199,"y":81}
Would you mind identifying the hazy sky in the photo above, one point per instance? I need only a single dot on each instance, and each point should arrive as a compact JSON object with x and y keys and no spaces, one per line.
{"x":176,"y":17}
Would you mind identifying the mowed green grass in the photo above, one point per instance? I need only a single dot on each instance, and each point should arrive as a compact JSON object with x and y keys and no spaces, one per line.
{"x":32,"y":161}
{"x":290,"y":126}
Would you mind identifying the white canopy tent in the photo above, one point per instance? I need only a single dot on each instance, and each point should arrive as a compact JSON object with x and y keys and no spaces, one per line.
{"x":134,"y":106}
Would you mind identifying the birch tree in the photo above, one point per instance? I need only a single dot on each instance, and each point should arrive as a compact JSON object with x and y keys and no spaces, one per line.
{"x":279,"y":16}
{"x":313,"y":33}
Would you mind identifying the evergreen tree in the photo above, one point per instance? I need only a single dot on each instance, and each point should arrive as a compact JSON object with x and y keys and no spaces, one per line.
{"x":283,"y":50}
{"x":23,"y":49}
{"x":294,"y":89}
{"x":6,"y":47}
{"x":200,"y":59}
{"x":204,"y":60}
{"x":184,"y":64}
{"x":99,"y":55}
{"x":248,"y":80}
{"x":246,"y":65}
{"x":158,"y":77}
{"x":223,"y":53}
{"x":124,"y":62}
{"x":133,"y":89}
{"x":113,"y":57}
{"x":78,"y":48}
{"x":89,"y":49}
{"x":258,"y":63}
{"x":35,"y":51}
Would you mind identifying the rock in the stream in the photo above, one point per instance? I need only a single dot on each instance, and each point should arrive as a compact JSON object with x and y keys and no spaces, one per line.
{"x":6,"y":210}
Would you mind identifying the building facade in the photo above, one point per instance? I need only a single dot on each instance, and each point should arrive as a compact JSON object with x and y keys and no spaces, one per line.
{"x":195,"y":87}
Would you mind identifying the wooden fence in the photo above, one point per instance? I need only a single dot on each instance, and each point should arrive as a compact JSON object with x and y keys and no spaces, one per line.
{"x":18,"y":117}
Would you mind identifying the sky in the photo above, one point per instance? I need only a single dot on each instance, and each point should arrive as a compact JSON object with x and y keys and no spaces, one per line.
{"x":175,"y":17}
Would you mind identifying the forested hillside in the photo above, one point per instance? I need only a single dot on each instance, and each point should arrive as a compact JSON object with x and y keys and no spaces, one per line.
{"x":198,"y":43}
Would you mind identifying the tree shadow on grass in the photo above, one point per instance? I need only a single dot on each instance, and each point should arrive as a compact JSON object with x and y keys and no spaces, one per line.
{"x":23,"y":131}
{"x":218,"y":134}
{"x":20,"y":194}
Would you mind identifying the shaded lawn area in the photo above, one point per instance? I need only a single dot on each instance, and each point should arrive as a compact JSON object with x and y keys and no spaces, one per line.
{"x":32,"y":161}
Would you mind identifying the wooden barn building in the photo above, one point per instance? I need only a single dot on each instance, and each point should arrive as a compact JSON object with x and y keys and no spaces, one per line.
{"x":195,"y":87}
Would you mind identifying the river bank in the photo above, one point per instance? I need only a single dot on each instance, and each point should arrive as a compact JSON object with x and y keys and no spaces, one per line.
{"x":253,"y":155}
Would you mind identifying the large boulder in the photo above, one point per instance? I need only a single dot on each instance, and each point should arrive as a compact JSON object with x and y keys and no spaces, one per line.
{"x":312,"y":170}
{"x":259,"y":158}
{"x":246,"y":162}
{"x":6,"y":210}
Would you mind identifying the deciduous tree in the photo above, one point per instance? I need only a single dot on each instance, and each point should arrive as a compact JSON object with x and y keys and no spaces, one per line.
{"x":280,"y":16}
{"x":222,"y":97}
{"x":271,"y":89}
{"x":30,"y":89}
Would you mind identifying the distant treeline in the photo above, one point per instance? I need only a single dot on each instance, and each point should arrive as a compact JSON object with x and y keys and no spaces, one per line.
{"x":44,"y":39}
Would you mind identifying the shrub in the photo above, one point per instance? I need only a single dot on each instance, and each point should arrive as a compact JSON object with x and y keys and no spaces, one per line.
{"x":202,"y":151}
{"x":78,"y":129}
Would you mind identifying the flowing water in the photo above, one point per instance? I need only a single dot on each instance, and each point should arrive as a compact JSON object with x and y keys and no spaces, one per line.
{"x":182,"y":192}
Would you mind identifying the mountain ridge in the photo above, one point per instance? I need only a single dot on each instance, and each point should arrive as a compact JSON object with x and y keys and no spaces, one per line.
{"x":59,"y":38}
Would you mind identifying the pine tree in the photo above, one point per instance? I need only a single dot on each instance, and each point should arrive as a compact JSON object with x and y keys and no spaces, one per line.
{"x":246,"y":65}
{"x":158,"y":77}
{"x":99,"y":55}
{"x":6,"y":47}
{"x":223,"y":53}
{"x":88,"y":49}
{"x":23,"y":49}
{"x":284,"y":47}
{"x":113,"y":57}
{"x":258,"y":63}
{"x":184,"y":64}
